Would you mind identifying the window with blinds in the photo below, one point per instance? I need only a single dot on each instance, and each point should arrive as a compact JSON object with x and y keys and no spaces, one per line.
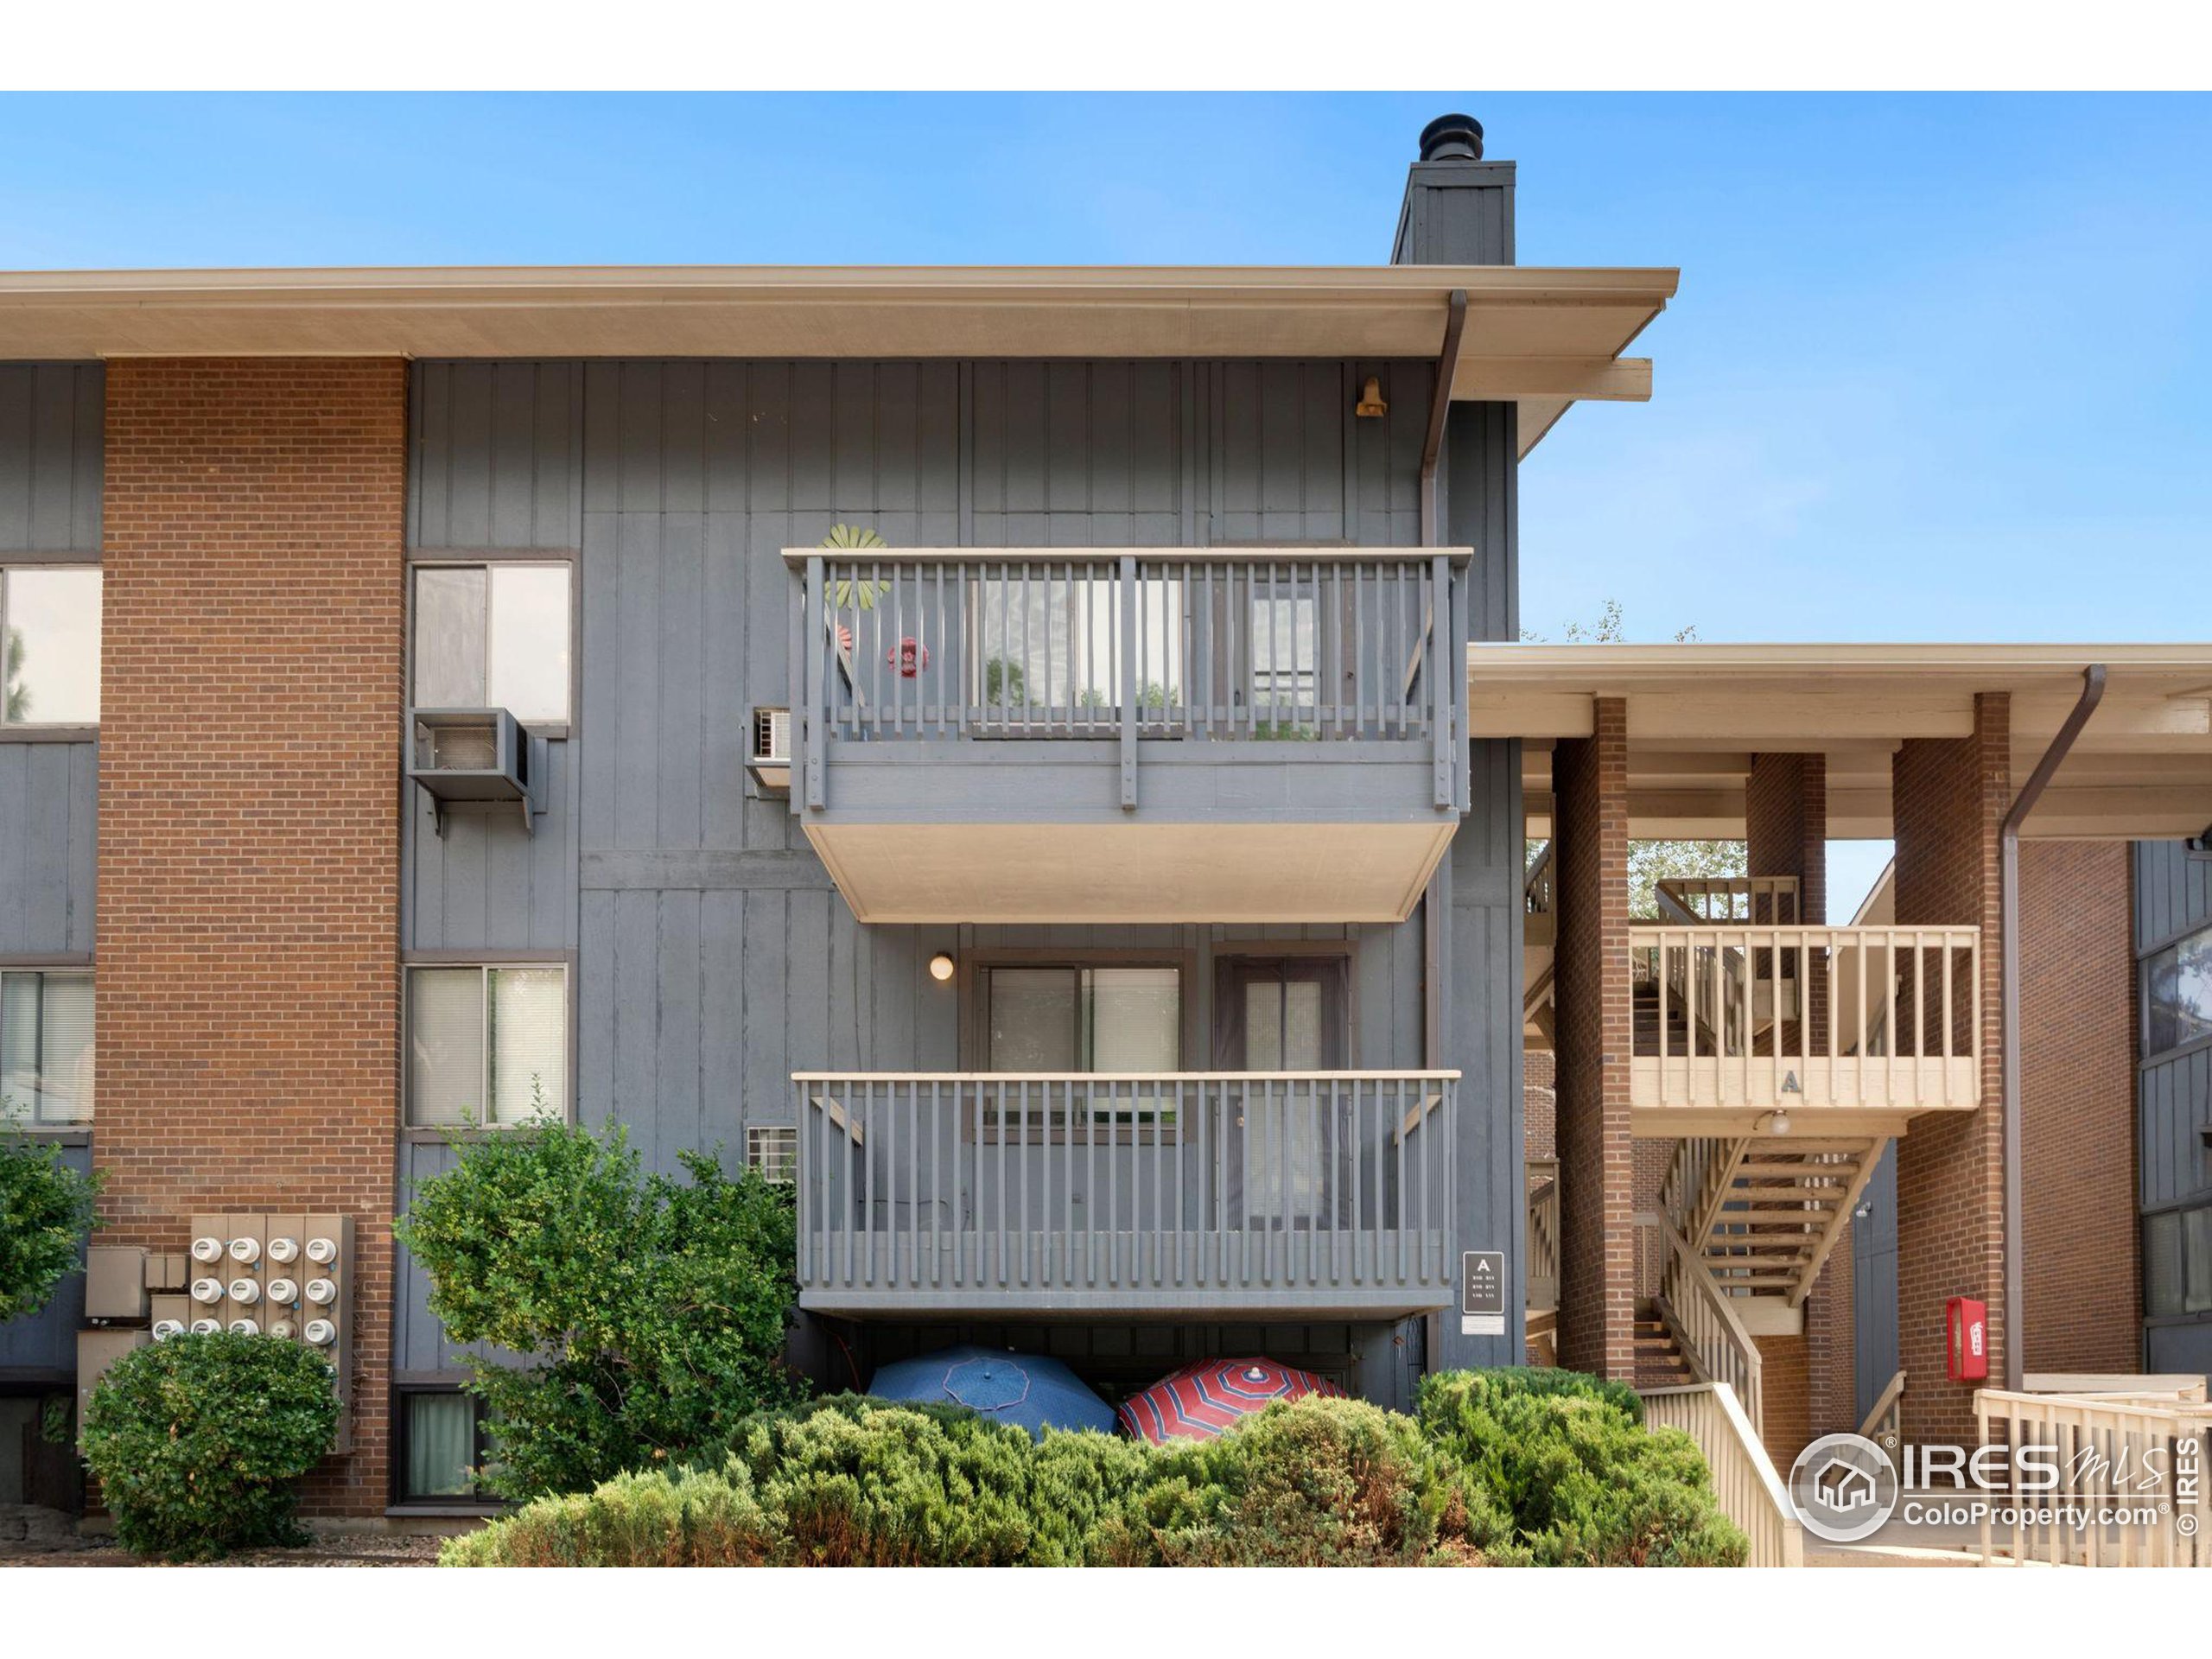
{"x":46,"y":1047}
{"x":487,"y":1045}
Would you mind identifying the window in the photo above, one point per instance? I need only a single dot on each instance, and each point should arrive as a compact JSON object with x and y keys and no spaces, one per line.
{"x":1068,"y":1017}
{"x":446,"y":1440}
{"x":49,"y":646}
{"x":487,"y":1045}
{"x":2178,"y":1262}
{"x":46,"y":1047}
{"x":2177,"y":994}
{"x":493,"y":637}
{"x":773,"y":1151}
{"x":1077,"y":1018}
{"x":1050,"y":638}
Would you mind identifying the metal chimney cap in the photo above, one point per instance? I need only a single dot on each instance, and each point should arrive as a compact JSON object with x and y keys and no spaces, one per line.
{"x":1452,"y":137}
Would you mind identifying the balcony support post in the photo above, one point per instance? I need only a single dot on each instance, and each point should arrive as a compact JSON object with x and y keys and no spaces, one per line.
{"x":1131,"y":692}
{"x":1440,"y":701}
{"x":811,"y":732}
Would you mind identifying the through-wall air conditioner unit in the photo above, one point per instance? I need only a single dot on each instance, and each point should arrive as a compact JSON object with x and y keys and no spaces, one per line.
{"x":770,"y":762}
{"x":471,"y":755}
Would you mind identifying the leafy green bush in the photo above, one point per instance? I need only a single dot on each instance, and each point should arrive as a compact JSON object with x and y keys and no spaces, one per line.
{"x":1315,"y":1482}
{"x":1498,"y":1381}
{"x":1586,"y":1484}
{"x":196,"y":1441}
{"x":46,"y":1212}
{"x":648,"y":1311}
{"x":857,"y":1482}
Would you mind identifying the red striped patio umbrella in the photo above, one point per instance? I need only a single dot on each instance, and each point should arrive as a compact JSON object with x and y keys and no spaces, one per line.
{"x":1201,"y":1401}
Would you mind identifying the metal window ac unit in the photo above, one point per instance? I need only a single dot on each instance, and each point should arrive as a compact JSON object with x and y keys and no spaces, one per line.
{"x":471,"y":755}
{"x":770,"y":762}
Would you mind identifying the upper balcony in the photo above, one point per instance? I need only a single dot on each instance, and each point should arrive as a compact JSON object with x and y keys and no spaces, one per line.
{"x":1740,"y":1009}
{"x":1129,"y":735}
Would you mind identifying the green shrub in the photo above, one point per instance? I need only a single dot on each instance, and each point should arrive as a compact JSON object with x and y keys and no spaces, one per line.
{"x":857,"y":1482}
{"x":648,"y":1311}
{"x":1315,"y":1482}
{"x":682,"y":1517}
{"x":196,"y":1441}
{"x":1499,"y":1382}
{"x":1585,"y":1483}
{"x":45,"y":1213}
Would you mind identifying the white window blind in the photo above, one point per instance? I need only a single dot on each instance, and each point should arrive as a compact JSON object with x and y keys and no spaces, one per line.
{"x":529,"y":1015}
{"x":46,"y":1050}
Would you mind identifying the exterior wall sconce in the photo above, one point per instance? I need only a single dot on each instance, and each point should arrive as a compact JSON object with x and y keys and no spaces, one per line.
{"x":1371,"y":406}
{"x":941,"y":968}
{"x":1774,"y":1123}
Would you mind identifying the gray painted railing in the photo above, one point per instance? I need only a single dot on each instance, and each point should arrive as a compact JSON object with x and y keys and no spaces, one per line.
{"x":1164,"y":1190}
{"x":1217,"y":646}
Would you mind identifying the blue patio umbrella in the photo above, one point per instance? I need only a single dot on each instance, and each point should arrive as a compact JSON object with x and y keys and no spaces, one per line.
{"x":1028,"y":1391}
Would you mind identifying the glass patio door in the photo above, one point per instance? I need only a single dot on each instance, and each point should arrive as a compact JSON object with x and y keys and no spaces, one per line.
{"x":1289,"y":1014}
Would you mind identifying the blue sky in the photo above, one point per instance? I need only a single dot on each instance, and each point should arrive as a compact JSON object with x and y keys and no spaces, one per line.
{"x":1936,"y":371}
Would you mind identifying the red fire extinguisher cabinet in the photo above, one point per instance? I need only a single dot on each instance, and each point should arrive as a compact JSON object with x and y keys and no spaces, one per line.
{"x":1966,"y":1346}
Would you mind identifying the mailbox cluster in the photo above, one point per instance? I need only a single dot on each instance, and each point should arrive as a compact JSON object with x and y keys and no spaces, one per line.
{"x":282,"y":1274}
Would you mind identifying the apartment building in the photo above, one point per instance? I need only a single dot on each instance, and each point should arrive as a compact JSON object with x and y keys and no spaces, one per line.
{"x":1040,"y":758}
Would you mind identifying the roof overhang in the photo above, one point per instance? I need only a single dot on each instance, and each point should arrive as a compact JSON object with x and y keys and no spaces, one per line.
{"x":2142,"y":769}
{"x":1542,"y":338}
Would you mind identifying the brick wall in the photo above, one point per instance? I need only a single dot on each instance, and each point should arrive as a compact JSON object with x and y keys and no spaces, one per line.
{"x":248,"y":863}
{"x":2079,"y":1259}
{"x":1950,"y":796}
{"x":1786,"y":1395}
{"x":1596,"y":1241}
{"x":1538,"y":1101}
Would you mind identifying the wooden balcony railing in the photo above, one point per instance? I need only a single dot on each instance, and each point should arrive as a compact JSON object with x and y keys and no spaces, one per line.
{"x":2113,"y":1450}
{"x":1730,"y":898}
{"x":1169,"y":1191}
{"x":1765,"y":1017}
{"x":1200,"y":646}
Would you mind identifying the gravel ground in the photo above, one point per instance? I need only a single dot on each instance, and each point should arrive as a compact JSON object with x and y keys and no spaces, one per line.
{"x":58,"y":1544}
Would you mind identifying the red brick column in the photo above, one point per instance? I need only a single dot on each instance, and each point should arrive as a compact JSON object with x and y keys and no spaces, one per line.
{"x":249,"y":846}
{"x":1950,"y":796}
{"x":2079,"y":1253}
{"x":1590,"y":881}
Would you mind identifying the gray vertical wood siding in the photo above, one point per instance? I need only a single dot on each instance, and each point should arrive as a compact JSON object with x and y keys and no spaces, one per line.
{"x":713,"y":954}
{"x":48,"y":798}
{"x":50,"y":462}
{"x":51,"y":444}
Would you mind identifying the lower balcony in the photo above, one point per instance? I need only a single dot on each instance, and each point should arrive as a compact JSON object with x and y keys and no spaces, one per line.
{"x":1220,"y":1194}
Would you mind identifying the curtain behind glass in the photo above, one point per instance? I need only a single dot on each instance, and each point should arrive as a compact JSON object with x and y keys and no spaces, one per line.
{"x":528,"y":1043}
{"x":52,"y":670}
{"x":527,"y":671}
{"x":449,"y":638}
{"x":441,"y":1445}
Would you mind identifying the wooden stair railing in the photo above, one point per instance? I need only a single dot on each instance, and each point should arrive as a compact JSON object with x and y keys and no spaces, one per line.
{"x":1745,"y":1483}
{"x":1704,"y":1325}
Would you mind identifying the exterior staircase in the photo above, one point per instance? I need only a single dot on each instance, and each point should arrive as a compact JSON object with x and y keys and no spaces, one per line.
{"x":1762,"y":1212}
{"x":1660,"y":1361}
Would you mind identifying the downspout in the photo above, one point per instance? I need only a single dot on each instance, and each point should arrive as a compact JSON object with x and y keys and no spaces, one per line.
{"x":1439,"y":409}
{"x":2093,"y":691}
{"x":1440,"y":406}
